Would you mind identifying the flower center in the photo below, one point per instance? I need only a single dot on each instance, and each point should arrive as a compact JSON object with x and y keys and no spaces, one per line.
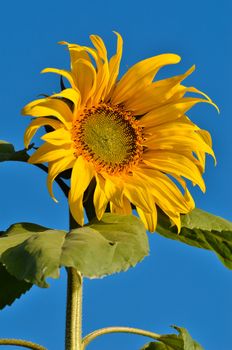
{"x":109,"y":137}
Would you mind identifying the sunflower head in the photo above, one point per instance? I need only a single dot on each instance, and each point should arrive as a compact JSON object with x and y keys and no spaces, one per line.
{"x":109,"y":137}
{"x":131,"y":135}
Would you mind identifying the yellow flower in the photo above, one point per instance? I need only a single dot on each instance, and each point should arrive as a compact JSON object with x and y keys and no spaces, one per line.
{"x":131,"y":135}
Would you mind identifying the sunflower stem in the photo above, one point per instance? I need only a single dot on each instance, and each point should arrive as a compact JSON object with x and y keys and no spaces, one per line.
{"x":73,"y":337}
{"x":73,"y":333}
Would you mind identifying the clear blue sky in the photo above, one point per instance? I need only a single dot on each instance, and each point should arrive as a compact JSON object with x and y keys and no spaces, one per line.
{"x":176,"y":284}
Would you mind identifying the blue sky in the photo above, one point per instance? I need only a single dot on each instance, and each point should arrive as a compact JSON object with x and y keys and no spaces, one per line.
{"x":176,"y":284}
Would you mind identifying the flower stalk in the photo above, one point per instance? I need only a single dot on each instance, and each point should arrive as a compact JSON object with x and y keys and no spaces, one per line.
{"x":73,"y":333}
{"x":73,"y":337}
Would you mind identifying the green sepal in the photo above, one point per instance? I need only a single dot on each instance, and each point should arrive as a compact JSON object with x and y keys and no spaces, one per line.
{"x":10,"y":288}
{"x":203,"y":230}
{"x":33,"y":253}
{"x":182,"y":341}
{"x":7,"y":152}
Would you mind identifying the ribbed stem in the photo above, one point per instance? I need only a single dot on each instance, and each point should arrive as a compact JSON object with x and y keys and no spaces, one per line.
{"x":73,"y":310}
{"x":73,"y":333}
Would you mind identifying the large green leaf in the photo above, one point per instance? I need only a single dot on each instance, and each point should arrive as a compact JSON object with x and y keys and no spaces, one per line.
{"x":202,"y":230}
{"x":33,"y":253}
{"x":111,"y":245}
{"x":7,"y":152}
{"x":182,"y":341}
{"x":10,"y":287}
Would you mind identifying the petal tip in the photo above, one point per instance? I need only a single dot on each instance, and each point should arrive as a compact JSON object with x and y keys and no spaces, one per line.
{"x":62,"y":42}
{"x":23,"y":111}
{"x":45,"y":70}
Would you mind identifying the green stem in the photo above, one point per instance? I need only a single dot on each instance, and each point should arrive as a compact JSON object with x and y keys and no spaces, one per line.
{"x":73,"y":334}
{"x":90,"y":337}
{"x":72,"y":223}
{"x":74,"y":310}
{"x":23,"y":343}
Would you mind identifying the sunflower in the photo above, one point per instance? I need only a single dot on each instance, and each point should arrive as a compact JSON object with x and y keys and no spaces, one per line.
{"x":131,"y":136}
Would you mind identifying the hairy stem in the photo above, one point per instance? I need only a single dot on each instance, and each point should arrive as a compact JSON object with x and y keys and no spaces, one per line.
{"x":90,"y":337}
{"x":22,"y":343}
{"x":74,"y":310}
{"x":73,"y":335}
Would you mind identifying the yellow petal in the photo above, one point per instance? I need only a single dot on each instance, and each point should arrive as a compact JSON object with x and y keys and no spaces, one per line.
{"x":157,"y":94}
{"x":79,"y":51}
{"x":174,"y":217}
{"x":76,"y":52}
{"x":126,"y":206}
{"x":149,"y":219}
{"x":173,"y":163}
{"x":182,"y":125}
{"x":167,"y":195}
{"x":55,"y":168}
{"x":114,"y":65}
{"x":64,"y":73}
{"x":170,"y":112}
{"x":113,"y":192}
{"x":50,"y":107}
{"x":191,"y":140}
{"x":100,"y":46}
{"x":85,"y":79}
{"x":124,"y":210}
{"x":82,"y":174}
{"x":79,"y":54}
{"x":205,"y":135}
{"x":196,"y":91}
{"x":72,"y":95}
{"x":28,"y":107}
{"x":49,"y":153}
{"x":141,"y":75}
{"x":102,"y":68}
{"x":58,"y":137}
{"x":99,"y":199}
{"x":138,"y":193}
{"x":35,"y":125}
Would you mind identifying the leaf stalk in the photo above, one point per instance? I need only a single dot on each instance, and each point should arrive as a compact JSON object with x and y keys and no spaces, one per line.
{"x":22,"y":343}
{"x":90,"y":337}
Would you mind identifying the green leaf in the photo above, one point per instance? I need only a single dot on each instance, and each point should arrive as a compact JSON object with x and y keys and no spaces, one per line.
{"x":104,"y":247}
{"x":182,"y":341}
{"x":10,"y":288}
{"x":7,"y":152}
{"x":33,"y":253}
{"x":203,"y":230}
